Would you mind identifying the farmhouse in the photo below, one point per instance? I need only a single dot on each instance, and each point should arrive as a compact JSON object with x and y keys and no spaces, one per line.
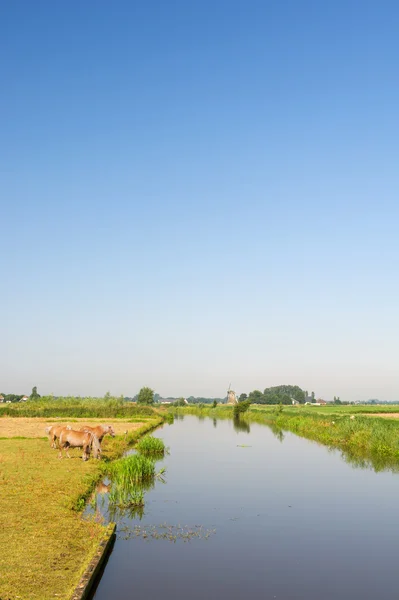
{"x":1,"y":398}
{"x":24,"y":399}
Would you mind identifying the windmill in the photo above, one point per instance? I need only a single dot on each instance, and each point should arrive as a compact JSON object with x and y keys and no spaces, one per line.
{"x":231,"y":396}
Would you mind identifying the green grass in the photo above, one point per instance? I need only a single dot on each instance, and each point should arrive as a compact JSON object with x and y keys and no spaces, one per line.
{"x":130,"y":477}
{"x":77,"y":407}
{"x":151,"y":446}
{"x":46,"y":545}
{"x":132,"y":470}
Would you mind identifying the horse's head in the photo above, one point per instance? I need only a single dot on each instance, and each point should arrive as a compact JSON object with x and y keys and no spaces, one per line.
{"x":110,"y":430}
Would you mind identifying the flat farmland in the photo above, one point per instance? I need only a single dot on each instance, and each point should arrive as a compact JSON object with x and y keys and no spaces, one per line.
{"x":33,"y":427}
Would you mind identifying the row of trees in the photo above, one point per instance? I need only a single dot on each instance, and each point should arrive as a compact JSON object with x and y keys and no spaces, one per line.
{"x":12,"y":397}
{"x":283,"y":394}
{"x":17,"y":397}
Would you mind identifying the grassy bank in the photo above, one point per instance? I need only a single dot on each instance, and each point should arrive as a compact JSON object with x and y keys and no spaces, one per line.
{"x":77,"y":407}
{"x":365,"y":440}
{"x":46,"y":545}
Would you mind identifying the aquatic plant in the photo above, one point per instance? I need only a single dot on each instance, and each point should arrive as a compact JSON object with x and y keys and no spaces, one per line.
{"x":151,"y":446}
{"x":171,"y":533}
{"x":132,"y":470}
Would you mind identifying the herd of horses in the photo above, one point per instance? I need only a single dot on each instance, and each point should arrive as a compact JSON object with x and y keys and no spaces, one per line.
{"x":88,"y":438}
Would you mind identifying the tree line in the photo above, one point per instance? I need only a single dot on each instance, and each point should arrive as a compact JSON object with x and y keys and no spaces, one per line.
{"x":280,"y":394}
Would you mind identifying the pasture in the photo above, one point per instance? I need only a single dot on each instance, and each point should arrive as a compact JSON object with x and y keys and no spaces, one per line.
{"x":46,"y":545}
{"x":33,"y":427}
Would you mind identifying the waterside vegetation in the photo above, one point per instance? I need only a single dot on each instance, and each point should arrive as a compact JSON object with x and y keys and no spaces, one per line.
{"x":151,"y":446}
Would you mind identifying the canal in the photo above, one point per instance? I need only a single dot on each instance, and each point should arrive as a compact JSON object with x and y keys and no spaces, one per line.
{"x":248,"y":512}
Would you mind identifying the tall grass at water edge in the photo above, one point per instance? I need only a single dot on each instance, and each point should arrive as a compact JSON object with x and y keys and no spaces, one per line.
{"x":130,"y":477}
{"x":151,"y":446}
{"x":132,"y":470}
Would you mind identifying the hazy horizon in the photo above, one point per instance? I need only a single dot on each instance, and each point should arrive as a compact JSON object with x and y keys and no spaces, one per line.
{"x":194,"y":194}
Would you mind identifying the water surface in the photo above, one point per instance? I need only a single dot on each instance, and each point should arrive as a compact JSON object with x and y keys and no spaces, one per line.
{"x":293,"y":520}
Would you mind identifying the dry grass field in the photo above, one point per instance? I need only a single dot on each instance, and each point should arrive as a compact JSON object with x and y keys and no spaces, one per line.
{"x":33,"y":427}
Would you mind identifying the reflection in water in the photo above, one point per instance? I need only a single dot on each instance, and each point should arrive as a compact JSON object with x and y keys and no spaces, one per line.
{"x":277,"y":432}
{"x":115,"y":513}
{"x":241,"y":425}
{"x":215,"y":423}
{"x":103,"y":488}
{"x":376,"y":463}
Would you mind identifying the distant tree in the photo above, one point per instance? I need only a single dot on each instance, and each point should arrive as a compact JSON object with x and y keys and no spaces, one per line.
{"x":146,"y":396}
{"x":107,"y":396}
{"x":313,"y":397}
{"x":256,"y":397}
{"x":214,"y":404}
{"x":282,"y":393}
{"x":179,"y":402}
{"x":242,"y":397}
{"x":34,"y":395}
{"x":337,"y":400}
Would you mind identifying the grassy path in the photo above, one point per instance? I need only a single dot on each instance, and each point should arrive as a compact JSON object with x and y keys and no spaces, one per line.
{"x":45,"y":544}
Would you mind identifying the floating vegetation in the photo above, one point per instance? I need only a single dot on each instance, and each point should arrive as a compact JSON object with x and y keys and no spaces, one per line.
{"x":151,"y":446}
{"x":171,"y":533}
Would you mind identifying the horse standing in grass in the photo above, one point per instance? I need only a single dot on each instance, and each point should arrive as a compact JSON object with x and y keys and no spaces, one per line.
{"x":100,"y":431}
{"x":79,"y":439}
{"x":53,"y":433}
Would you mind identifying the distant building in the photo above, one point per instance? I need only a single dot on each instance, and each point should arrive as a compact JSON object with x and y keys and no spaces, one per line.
{"x":294,"y":402}
{"x":231,"y":397}
{"x":24,"y":398}
{"x":321,"y":402}
{"x":1,"y":398}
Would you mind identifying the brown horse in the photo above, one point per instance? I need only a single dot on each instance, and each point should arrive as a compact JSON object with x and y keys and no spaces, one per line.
{"x":53,"y":433}
{"x":78,"y":439}
{"x":100,"y":431}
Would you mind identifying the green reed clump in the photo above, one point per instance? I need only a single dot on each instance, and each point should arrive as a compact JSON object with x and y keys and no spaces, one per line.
{"x":132,"y":470}
{"x":151,"y":446}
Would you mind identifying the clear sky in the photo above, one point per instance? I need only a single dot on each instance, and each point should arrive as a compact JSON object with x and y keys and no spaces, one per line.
{"x":198,"y":193}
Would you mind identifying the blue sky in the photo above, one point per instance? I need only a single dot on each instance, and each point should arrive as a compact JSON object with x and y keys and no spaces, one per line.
{"x":199,"y":193}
